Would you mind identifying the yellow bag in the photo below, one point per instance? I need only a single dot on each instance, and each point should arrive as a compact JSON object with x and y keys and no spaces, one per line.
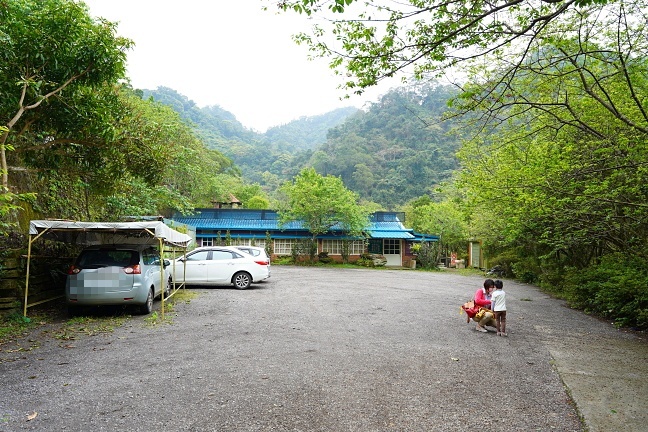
{"x":479,"y":315}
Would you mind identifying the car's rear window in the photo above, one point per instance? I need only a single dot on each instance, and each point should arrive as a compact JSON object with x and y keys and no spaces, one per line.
{"x":96,"y":258}
{"x":253,"y":252}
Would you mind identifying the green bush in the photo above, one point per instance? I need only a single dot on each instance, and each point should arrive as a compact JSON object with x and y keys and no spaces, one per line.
{"x":283,"y":260}
{"x":324,"y":258}
{"x":616,"y":288}
{"x":525,"y":270}
{"x":427,"y":254}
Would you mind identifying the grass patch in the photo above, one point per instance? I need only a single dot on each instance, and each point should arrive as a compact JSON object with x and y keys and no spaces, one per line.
{"x":470,"y":272}
{"x":154,"y":319}
{"x":89,"y":326}
{"x":15,"y":325}
{"x":183,"y":296}
{"x":180,"y":296}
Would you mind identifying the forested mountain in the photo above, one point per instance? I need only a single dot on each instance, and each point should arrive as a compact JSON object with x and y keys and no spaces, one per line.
{"x":252,"y":152}
{"x":215,"y":124}
{"x":395,"y":151}
{"x":306,"y":133}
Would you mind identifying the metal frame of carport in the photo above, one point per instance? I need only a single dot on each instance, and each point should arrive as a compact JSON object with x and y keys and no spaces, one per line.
{"x":88,"y":233}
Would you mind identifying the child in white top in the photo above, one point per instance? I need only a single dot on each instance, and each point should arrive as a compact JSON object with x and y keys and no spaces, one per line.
{"x":498,"y":306}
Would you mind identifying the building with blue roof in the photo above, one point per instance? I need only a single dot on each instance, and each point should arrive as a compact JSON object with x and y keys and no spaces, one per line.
{"x":385,"y":235}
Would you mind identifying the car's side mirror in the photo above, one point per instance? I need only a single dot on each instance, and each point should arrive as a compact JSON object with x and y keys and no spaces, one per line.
{"x":167,"y":263}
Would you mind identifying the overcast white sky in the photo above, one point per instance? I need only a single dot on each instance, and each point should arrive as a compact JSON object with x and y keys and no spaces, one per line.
{"x":228,"y":53}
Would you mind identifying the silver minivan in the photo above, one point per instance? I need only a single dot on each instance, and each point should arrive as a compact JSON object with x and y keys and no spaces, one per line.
{"x":116,"y":275}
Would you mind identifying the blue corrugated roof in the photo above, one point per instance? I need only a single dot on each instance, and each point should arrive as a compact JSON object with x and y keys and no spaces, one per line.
{"x":247,"y":223}
{"x":387,"y":226}
{"x":390,"y":235}
{"x":236,"y":224}
{"x":425,"y":237}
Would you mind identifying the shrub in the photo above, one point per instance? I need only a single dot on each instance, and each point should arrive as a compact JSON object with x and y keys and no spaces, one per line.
{"x":324,"y":258}
{"x":426,"y":254}
{"x":616,"y":288}
{"x":283,"y":260}
{"x":509,"y":262}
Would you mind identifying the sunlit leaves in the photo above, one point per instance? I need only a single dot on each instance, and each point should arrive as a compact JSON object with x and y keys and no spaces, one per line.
{"x":420,"y":37}
{"x":322,"y":202}
{"x":565,"y":177}
{"x":49,"y":49}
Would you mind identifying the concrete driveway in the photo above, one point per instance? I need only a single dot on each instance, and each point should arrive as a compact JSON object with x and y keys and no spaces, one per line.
{"x":320,"y":349}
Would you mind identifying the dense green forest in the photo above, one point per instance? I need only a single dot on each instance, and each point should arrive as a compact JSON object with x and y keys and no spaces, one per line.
{"x":263,"y":158}
{"x":397,"y":150}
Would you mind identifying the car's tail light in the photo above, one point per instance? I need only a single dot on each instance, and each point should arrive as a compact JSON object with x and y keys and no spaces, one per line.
{"x":134,"y":269}
{"x":262,"y":262}
{"x":73,"y":270}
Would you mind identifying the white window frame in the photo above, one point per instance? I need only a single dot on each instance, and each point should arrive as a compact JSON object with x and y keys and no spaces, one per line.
{"x":258,"y":242}
{"x":283,"y":246}
{"x":334,"y":247}
{"x":208,"y":241}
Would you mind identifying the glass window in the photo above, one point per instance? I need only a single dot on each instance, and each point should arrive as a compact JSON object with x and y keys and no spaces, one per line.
{"x":391,"y":247}
{"x":220,"y":255}
{"x":198,"y":256}
{"x":207,"y":241}
{"x":335,"y":247}
{"x":149,"y":256}
{"x":375,"y":246}
{"x":283,"y":246}
{"x":357,"y":247}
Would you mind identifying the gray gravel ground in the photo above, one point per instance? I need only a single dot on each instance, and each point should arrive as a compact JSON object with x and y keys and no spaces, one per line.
{"x":320,"y":349}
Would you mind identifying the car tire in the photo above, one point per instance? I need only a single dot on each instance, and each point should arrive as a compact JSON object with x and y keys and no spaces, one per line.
{"x":147,"y":307}
{"x":242,"y":280}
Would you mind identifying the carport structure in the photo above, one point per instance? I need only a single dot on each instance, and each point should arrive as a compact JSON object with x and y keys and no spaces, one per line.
{"x":105,"y":233}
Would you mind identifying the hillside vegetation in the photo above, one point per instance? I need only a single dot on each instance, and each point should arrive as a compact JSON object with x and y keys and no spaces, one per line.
{"x":396,"y":150}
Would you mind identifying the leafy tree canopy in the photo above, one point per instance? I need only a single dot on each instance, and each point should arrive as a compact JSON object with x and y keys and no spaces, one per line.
{"x":50,"y":49}
{"x":444,"y":219}
{"x":373,"y":39}
{"x":150,"y":163}
{"x":322,"y":202}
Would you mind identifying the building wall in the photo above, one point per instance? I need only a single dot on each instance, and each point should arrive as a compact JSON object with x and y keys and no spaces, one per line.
{"x":283,"y":247}
{"x":247,"y":226}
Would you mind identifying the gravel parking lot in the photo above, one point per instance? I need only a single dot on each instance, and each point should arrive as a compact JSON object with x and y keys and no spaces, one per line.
{"x":311,"y":349}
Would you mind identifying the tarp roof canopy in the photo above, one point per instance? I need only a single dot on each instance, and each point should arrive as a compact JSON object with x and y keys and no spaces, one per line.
{"x":97,"y":233}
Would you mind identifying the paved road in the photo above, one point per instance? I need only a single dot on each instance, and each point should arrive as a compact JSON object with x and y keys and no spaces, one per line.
{"x":318,"y":349}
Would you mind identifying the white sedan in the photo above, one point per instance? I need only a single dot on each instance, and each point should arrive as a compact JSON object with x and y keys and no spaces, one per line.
{"x":220,"y":265}
{"x":258,"y":253}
